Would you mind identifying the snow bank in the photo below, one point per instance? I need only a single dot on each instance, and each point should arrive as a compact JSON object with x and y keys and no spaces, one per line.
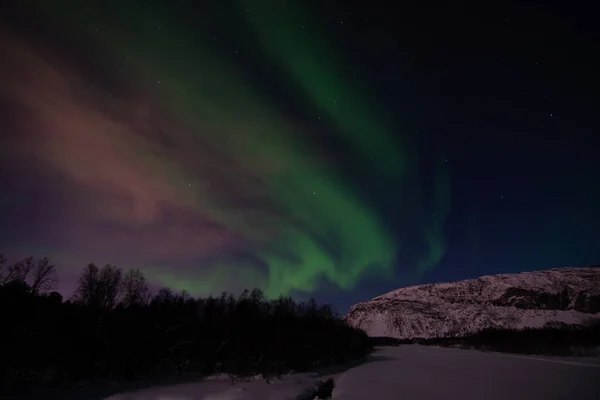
{"x":289,"y":387}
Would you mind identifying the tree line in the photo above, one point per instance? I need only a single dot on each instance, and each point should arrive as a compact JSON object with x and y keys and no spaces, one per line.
{"x":552,"y":339}
{"x":558,"y":339}
{"x":114,"y":327}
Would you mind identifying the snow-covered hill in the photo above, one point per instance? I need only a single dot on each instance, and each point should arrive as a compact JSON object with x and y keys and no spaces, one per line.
{"x":528,"y":299}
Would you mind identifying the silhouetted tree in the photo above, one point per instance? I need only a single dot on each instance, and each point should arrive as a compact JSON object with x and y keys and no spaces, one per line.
{"x":164,"y":296}
{"x":135,"y":288}
{"x":184,"y":296}
{"x":38,"y":274}
{"x":88,"y":286}
{"x":110,"y":282}
{"x":243,"y":296}
{"x":55,"y":298}
{"x":257,"y":296}
{"x":43,"y":276}
{"x":19,"y":271}
{"x":3,"y":261}
{"x":99,"y":287}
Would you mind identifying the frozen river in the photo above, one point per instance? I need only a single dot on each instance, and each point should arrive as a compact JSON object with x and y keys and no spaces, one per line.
{"x":427,"y":373}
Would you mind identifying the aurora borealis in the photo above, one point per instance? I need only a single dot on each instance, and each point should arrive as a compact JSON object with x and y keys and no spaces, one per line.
{"x":234,"y":145}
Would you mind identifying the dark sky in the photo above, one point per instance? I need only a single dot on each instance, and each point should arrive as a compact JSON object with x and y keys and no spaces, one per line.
{"x":312,"y":148}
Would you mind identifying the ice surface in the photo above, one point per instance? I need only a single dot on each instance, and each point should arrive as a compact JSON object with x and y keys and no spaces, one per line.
{"x":414,"y":372}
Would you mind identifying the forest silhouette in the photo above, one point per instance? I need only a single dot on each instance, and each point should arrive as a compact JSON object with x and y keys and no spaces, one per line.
{"x":115,"y":328}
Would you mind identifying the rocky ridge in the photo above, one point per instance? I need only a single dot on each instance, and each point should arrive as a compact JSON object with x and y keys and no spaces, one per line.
{"x":524,"y":300}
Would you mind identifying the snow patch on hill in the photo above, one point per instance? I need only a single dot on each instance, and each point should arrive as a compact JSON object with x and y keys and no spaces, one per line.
{"x":524,"y":300}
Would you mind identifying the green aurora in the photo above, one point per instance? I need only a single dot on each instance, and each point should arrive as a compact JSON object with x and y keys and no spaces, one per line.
{"x":319,"y":226}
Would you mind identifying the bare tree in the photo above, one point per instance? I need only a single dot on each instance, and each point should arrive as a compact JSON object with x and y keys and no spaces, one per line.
{"x":2,"y":263}
{"x":99,"y":287}
{"x":43,"y":276}
{"x":19,"y":271}
{"x":87,"y":291}
{"x":135,"y":288}
{"x":184,"y":296}
{"x":166,"y":295}
{"x":110,"y":279}
{"x":24,"y":269}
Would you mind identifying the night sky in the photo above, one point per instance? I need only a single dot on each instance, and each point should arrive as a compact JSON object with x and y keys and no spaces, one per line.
{"x":310,"y":148}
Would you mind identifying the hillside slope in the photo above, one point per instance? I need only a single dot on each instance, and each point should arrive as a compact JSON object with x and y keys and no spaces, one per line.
{"x":529,"y":299}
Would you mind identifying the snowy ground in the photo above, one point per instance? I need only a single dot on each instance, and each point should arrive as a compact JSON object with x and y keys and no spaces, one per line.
{"x":418,"y":372}
{"x":289,"y":387}
{"x":415,"y":372}
{"x":400,"y":373}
